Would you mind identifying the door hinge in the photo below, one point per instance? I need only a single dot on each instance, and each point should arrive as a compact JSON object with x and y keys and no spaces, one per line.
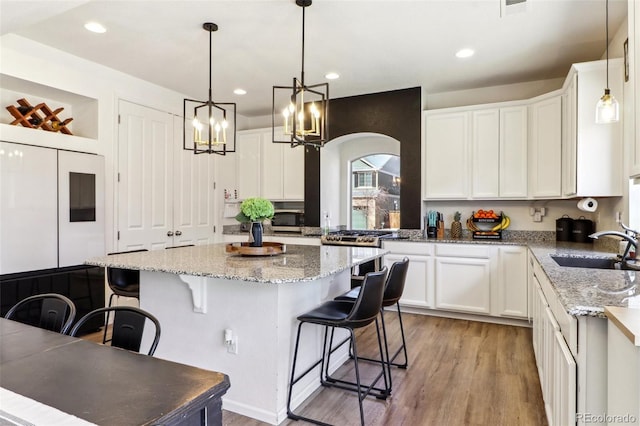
{"x":118,"y":118}
{"x":118,"y":235}
{"x":214,"y":185}
{"x":118,"y":176}
{"x":214,"y":229}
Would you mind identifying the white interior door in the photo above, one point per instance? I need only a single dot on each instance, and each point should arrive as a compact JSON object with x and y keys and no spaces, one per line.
{"x":193,"y":194}
{"x":145,"y":170}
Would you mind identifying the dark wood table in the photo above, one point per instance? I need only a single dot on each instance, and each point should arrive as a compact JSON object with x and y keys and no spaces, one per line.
{"x":105,"y":385}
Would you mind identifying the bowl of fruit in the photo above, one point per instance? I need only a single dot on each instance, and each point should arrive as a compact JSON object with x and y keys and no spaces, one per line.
{"x":488,"y":224}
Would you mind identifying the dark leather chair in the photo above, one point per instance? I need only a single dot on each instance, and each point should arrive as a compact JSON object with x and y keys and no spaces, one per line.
{"x":128,"y":326}
{"x":57,"y":312}
{"x":122,"y":282}
{"x":392,"y":294}
{"x":347,"y":315}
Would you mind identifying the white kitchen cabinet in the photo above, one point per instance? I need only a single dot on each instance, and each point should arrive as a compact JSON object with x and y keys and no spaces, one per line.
{"x":29,"y":208}
{"x":634,"y":86}
{"x":485,"y":153}
{"x":282,"y":170}
{"x":418,"y":289}
{"x":556,"y":365}
{"x":623,"y":365}
{"x":248,"y":163}
{"x":593,"y":150}
{"x":513,"y":152}
{"x":545,"y":148}
{"x":446,"y":146}
{"x":491,"y":142}
{"x":512,"y":297}
{"x":463,"y":277}
{"x":52,"y":207}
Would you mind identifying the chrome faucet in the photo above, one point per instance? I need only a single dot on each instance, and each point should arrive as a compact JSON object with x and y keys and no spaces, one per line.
{"x":630,"y":235}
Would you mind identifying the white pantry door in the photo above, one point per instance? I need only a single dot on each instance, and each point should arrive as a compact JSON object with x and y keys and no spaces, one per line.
{"x":165,"y":194}
{"x":145,"y":169}
{"x":193,"y":193}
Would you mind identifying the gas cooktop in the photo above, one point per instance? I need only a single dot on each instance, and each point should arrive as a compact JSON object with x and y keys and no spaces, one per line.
{"x":357,"y":238}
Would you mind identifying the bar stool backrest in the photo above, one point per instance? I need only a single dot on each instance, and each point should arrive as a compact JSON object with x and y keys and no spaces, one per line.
{"x":369,"y":302}
{"x":395,"y":282}
{"x":119,"y":279}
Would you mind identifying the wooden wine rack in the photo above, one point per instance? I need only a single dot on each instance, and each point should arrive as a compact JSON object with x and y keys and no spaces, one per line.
{"x":39,"y":116}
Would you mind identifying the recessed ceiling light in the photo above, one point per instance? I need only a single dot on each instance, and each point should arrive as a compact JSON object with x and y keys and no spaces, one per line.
{"x":465,"y":53}
{"x":240,"y":92}
{"x":95,"y":27}
{"x":332,"y":76}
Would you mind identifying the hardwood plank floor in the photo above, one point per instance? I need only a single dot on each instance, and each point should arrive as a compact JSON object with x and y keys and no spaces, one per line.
{"x":460,"y":373}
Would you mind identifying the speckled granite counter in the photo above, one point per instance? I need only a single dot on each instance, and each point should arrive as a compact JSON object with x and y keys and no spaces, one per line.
{"x":200,"y":294}
{"x":586,"y":291}
{"x":299,"y":263}
{"x":582,"y":291}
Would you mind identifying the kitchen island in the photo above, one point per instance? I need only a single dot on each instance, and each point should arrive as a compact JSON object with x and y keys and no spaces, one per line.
{"x":199,"y":292}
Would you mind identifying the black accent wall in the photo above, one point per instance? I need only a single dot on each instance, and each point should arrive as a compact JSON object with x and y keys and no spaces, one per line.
{"x":396,"y":114}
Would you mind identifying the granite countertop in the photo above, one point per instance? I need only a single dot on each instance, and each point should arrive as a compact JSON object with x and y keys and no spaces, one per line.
{"x":299,"y":263}
{"x":582,"y":291}
{"x":627,"y":320}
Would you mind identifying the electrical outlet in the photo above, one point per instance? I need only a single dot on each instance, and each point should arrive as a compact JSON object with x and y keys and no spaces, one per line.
{"x":618,"y":217}
{"x":537,"y":217}
{"x":232,"y":347}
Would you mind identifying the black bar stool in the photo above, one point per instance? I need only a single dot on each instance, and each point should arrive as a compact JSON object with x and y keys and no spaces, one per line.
{"x":348,"y":315}
{"x":392,"y":294}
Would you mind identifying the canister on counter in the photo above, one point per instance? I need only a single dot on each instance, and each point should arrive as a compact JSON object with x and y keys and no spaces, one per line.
{"x":582,"y":228}
{"x":564,"y":228}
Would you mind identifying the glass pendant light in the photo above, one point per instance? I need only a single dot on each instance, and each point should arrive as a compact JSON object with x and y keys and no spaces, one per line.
{"x":607,"y":108}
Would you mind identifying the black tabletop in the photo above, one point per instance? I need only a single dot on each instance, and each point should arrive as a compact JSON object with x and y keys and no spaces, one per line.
{"x":101,"y":384}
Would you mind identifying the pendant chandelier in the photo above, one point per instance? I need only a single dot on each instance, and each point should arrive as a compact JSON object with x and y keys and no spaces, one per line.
{"x":209,"y":127}
{"x":607,"y":108}
{"x":301,"y":109}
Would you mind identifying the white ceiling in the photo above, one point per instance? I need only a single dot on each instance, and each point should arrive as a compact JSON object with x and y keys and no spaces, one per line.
{"x":375,"y":45}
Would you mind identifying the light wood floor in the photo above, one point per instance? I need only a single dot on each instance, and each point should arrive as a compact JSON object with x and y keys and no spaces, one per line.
{"x":460,"y":373}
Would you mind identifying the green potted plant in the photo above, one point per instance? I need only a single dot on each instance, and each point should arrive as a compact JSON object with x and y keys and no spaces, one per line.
{"x":255,"y":210}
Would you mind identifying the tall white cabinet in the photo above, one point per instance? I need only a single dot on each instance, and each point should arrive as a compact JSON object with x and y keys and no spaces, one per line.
{"x":52,"y":207}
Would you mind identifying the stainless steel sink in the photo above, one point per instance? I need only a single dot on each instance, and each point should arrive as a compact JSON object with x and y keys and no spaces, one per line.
{"x":587,"y":262}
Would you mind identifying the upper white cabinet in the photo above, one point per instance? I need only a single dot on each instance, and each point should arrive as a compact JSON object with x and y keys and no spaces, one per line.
{"x":545,"y":148}
{"x":265,"y":169}
{"x":491,"y":143}
{"x":282,"y":170}
{"x":446,"y":171}
{"x":513,"y":152}
{"x":634,"y":71}
{"x":592,"y":162}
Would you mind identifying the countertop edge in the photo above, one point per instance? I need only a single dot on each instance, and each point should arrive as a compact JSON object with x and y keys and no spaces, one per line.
{"x":627,"y":320}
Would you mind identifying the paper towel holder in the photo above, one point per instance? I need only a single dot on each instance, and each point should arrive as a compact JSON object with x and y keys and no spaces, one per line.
{"x":588,"y":204}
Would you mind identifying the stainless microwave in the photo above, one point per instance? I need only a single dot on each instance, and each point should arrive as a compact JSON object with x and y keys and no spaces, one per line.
{"x":287,"y":221}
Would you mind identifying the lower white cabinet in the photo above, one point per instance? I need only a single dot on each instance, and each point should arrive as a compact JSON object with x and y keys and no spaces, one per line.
{"x":512,"y":290}
{"x":463,"y":278}
{"x":418,"y":289}
{"x":556,"y":364}
{"x":483,"y":279}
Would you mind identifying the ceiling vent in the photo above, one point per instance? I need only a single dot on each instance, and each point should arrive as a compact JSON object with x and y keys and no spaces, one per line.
{"x":512,"y":7}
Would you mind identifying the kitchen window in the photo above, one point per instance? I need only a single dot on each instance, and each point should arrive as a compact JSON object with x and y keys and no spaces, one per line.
{"x":375,"y":192}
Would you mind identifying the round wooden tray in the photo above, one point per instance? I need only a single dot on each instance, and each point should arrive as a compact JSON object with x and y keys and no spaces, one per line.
{"x":267,"y":249}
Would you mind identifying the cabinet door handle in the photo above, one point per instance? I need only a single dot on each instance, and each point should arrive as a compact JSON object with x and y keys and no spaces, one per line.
{"x":178,"y":233}
{"x":169,"y":233}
